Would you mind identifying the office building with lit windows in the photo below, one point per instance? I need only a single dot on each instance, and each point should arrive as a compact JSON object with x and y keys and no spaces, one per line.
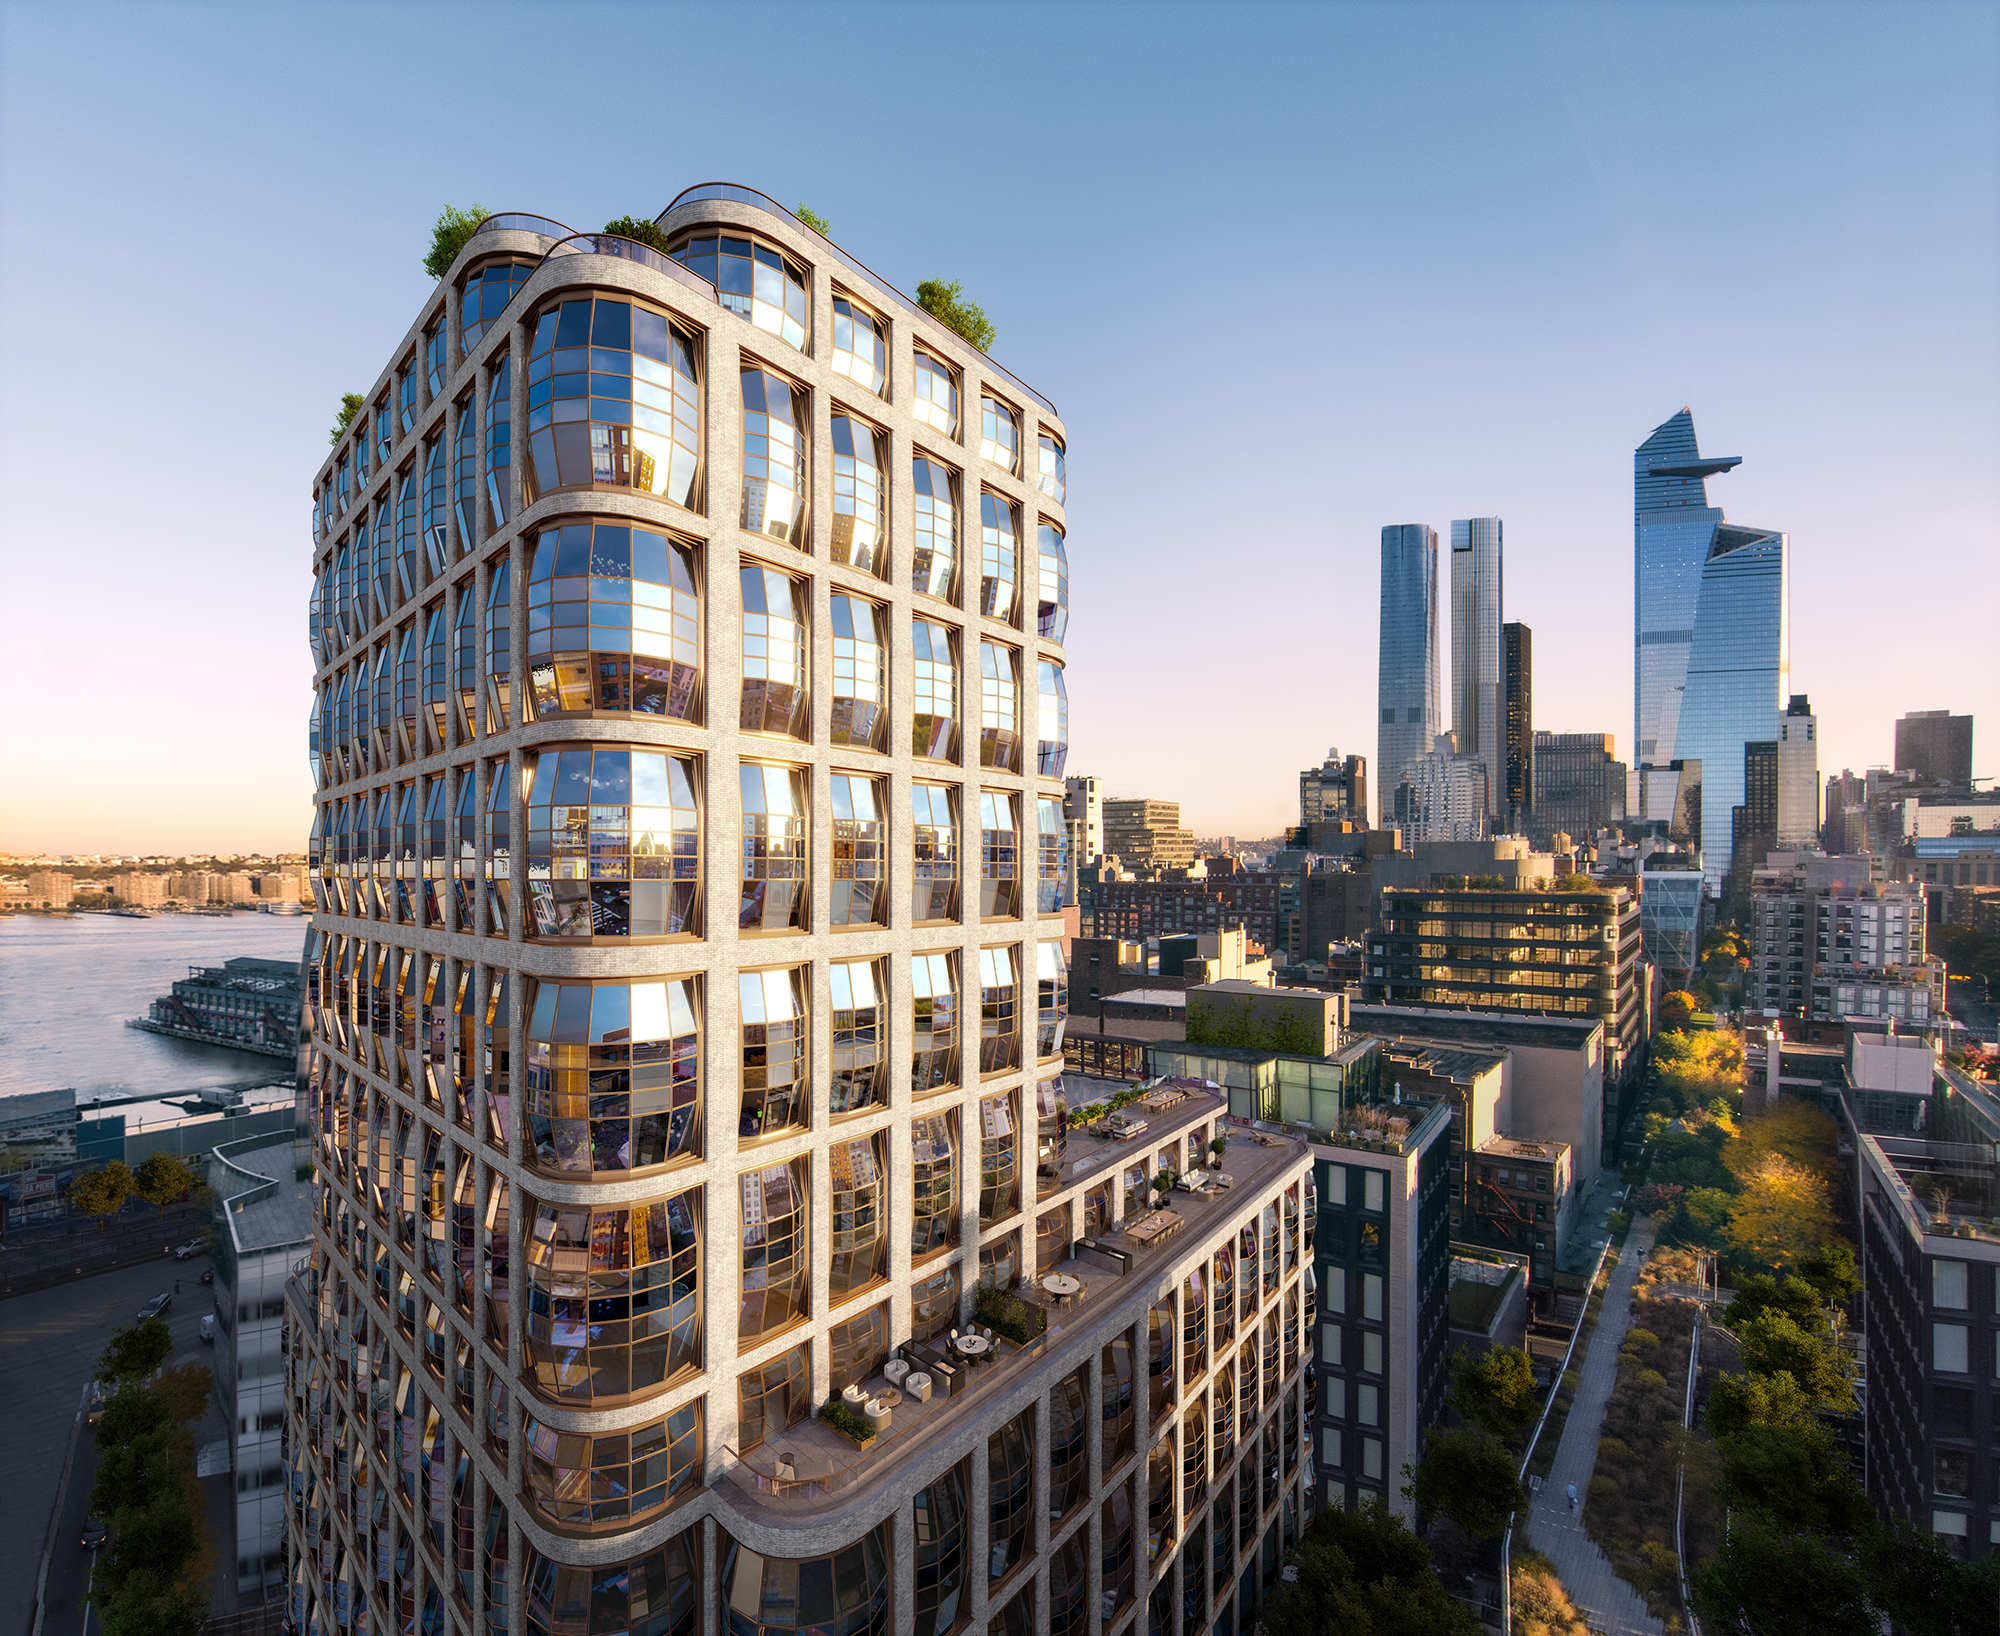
{"x":645,"y":584}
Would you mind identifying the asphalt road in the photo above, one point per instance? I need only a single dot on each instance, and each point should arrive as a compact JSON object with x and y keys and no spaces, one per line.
{"x":49,"y":1342}
{"x":1963,"y":1002}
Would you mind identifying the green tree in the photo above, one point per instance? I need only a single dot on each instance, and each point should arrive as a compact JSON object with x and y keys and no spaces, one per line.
{"x":1797,"y":1299}
{"x":1287,"y":1029}
{"x":813,"y":219}
{"x":350,"y":406}
{"x":1576,"y":883}
{"x":1740,"y":1401}
{"x":1495,"y":1390}
{"x":134,"y":1351}
{"x":1468,"y":1478}
{"x":1794,"y":1476}
{"x":453,"y":228}
{"x":1363,"y":1573}
{"x":1767,"y":1582}
{"x":1830,"y":1270}
{"x":102,"y":1192}
{"x":640,"y":230}
{"x":947,"y":304}
{"x":1772,"y":1345}
{"x":161,"y":1178}
{"x":1925,"y":1589}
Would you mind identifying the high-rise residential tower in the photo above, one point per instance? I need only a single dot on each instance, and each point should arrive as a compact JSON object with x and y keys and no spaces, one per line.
{"x":651,"y":588}
{"x":1936,"y":746}
{"x":1518,"y":677}
{"x":1407,"y":661}
{"x":1478,"y":673}
{"x":1798,"y":774}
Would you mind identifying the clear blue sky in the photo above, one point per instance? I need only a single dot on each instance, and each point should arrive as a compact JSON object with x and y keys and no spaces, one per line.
{"x":1289,"y":273}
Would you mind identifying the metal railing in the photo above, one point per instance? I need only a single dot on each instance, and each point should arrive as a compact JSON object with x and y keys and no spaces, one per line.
{"x":519,"y":222}
{"x":1680,"y":1478}
{"x":611,"y":244}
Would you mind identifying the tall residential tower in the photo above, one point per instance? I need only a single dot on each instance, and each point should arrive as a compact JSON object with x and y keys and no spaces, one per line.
{"x":1478,"y":674}
{"x":1407,"y":687}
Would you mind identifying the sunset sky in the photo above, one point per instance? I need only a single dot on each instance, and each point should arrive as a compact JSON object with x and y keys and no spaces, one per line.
{"x":1288,"y":273}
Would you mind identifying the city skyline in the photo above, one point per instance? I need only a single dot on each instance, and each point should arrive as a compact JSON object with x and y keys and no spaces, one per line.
{"x":1858,"y":380}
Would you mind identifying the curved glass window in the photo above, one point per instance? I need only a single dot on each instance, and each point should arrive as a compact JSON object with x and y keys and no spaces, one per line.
{"x":999,"y":1021}
{"x":1052,"y":1231}
{"x":1052,"y":1013}
{"x":500,"y":439}
{"x":385,"y":558}
{"x":859,"y":898}
{"x":1010,"y":1491}
{"x":1053,"y":478}
{"x":860,"y":673}
{"x":940,"y":1546}
{"x":934,"y":1303}
{"x":485,"y":295}
{"x":385,"y":427}
{"x":409,"y":532}
{"x":776,"y":1265}
{"x":999,"y":708}
{"x":753,"y":279}
{"x":860,"y":345}
{"x":774,"y":653}
{"x":1115,"y":1403}
{"x":1017,"y":1618}
{"x":860,"y":1242}
{"x":437,"y":489}
{"x":999,"y":1157}
{"x":614,"y":1074}
{"x":1000,"y":435}
{"x":1052,"y":603}
{"x":772,"y":896}
{"x":858,"y":1036}
{"x":775,"y":429}
{"x":614,"y":622}
{"x":857,"y":1347}
{"x":999,"y":546}
{"x":775,"y":1088}
{"x":845,"y":1594}
{"x":408,"y":390}
{"x":581,"y":1479}
{"x":659,"y":1594}
{"x":933,"y":1023}
{"x":934,"y":715}
{"x":1069,"y":1587}
{"x":437,"y":682}
{"x":1222,"y":1289}
{"x":999,"y":856}
{"x":934,"y":878}
{"x":613,"y":401}
{"x":437,"y":362}
{"x":499,"y":650}
{"x":936,"y":402}
{"x":1052,"y":860}
{"x":1051,"y":719}
{"x":465,"y":473}
{"x":1000,"y":1262}
{"x":934,"y":555}
{"x":614,"y":843}
{"x":614,"y":1298}
{"x":1194,"y":1326}
{"x":858,"y":498}
{"x":934,"y":1210}
{"x":773,"y":1399}
{"x":1069,"y":1443}
{"x":342,"y":474}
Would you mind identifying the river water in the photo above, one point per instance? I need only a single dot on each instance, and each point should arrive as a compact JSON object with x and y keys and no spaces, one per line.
{"x":67,"y":986}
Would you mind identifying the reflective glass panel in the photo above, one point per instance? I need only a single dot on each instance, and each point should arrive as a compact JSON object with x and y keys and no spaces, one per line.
{"x":1000,"y":435}
{"x":934,"y":555}
{"x":1052,"y":604}
{"x":860,"y":673}
{"x":774,"y":653}
{"x":999,"y":546}
{"x":613,"y":1074}
{"x":613,"y":401}
{"x":775,"y":430}
{"x":614,"y":843}
{"x":859,"y":505}
{"x":858,"y":889}
{"x":999,"y":708}
{"x":773,"y":890}
{"x":860,"y":345}
{"x":936,"y":401}
{"x":614,"y":622}
{"x":753,"y":279}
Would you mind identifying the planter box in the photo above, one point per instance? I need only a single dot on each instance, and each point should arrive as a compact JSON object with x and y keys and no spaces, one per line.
{"x":864,"y":1443}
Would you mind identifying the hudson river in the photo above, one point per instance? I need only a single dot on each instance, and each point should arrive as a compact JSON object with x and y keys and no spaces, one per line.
{"x":67,"y":986}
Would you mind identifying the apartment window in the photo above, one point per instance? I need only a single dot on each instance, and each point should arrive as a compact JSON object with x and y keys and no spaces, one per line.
{"x":999,"y":546}
{"x":858,"y":898}
{"x":1052,"y":726}
{"x":936,"y":398}
{"x":999,"y":708}
{"x":855,"y":988}
{"x":999,"y":1020}
{"x":1010,"y":1472}
{"x":776,"y":1267}
{"x":661,"y":1590}
{"x":934,"y":715}
{"x":934,"y":1304}
{"x":775,"y":423}
{"x":999,"y":856}
{"x":773,"y":891}
{"x":1000,"y":1262}
{"x":858,"y":496}
{"x":999,"y":1157}
{"x":1371,"y":1353}
{"x":860,"y":345}
{"x":934,"y":555}
{"x":934,"y":1023}
{"x":1000,"y":435}
{"x":860,"y":1237}
{"x":613,"y":1074}
{"x":614,"y":622}
{"x":773,"y":1399}
{"x":484,"y":295}
{"x":774,"y":653}
{"x":775,"y":1091}
{"x":437,"y":361}
{"x":578,"y":1479}
{"x":1052,"y":1239}
{"x":1371,"y":1296}
{"x":1052,"y":602}
{"x":1069,"y":1449}
{"x":860,"y":673}
{"x":614,"y":401}
{"x":614,"y":844}
{"x":465,"y":473}
{"x":752,"y":279}
{"x":940,"y":1535}
{"x":1052,"y":857}
{"x":1950,"y":1348}
{"x":1948,"y":1285}
{"x":1052,"y":478}
{"x":934,"y":835}
{"x":934,"y":1212}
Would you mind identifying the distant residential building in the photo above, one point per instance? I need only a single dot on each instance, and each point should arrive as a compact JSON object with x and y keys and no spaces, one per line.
{"x":1444,"y":796}
{"x":1522,"y":1196}
{"x":1543,"y":952}
{"x":1518,"y":666}
{"x":1083,"y":808}
{"x":1334,"y":792}
{"x":1829,"y":942}
{"x":1579,"y":785}
{"x":1798,"y":774}
{"x":1410,"y":712}
{"x":1478,"y":678}
{"x":50,"y":889}
{"x":139,"y":889}
{"x":1146,"y":834}
{"x":1936,"y":746}
{"x":1138,"y":909}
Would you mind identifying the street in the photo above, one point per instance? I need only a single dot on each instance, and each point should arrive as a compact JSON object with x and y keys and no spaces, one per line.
{"x":1981,"y":1017}
{"x":49,"y":1342}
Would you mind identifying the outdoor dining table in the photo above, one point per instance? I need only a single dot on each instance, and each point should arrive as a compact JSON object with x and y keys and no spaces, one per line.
{"x":973,"y":1346}
{"x":1062,"y":1286}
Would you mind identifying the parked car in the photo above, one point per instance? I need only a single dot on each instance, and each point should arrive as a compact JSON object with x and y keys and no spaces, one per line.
{"x":208,"y":1275}
{"x":208,"y":1328}
{"x":100,"y":1394}
{"x":94,"y":1533}
{"x":193,"y":1246}
{"x":156,"y":1308}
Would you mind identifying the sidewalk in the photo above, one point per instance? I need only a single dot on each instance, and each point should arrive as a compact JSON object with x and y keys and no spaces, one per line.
{"x":1606,"y":1601}
{"x":45,"y":1257}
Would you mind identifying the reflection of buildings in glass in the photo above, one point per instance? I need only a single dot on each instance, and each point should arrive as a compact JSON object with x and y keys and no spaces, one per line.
{"x":1478,"y":680}
{"x":1579,"y":785}
{"x":1517,"y":643}
{"x":1407,"y":661}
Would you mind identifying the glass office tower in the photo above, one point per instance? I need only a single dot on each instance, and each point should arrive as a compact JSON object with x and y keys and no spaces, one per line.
{"x":1478,"y":679}
{"x":1407,"y":688}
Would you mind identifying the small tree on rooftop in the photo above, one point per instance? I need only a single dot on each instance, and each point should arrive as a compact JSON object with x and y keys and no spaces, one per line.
{"x":813,"y":219}
{"x":453,"y":228}
{"x":947,"y":304}
{"x":639,"y":230}
{"x":350,"y":406}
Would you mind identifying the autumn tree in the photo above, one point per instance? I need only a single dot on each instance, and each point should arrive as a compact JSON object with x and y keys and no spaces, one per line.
{"x":1677,"y":1009}
{"x":102,"y":1192}
{"x":1541,"y":1606}
{"x":161,"y":1178}
{"x":1784,"y":1213}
